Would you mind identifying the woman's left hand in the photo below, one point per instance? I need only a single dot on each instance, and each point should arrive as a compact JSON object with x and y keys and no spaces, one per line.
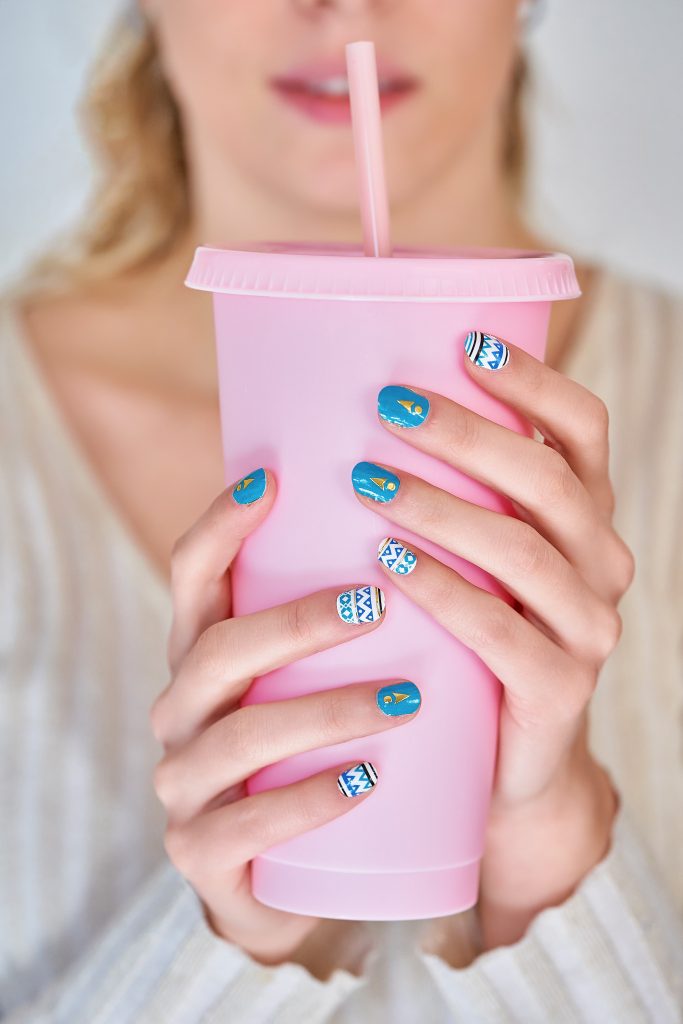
{"x":562,"y":561}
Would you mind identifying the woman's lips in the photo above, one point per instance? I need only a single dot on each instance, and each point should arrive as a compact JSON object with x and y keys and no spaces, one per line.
{"x":323,"y":94}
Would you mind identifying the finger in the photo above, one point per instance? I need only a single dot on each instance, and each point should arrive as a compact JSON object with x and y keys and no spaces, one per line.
{"x":208,"y":848}
{"x":571,"y":418}
{"x":545,"y":685}
{"x":248,"y":739}
{"x":527,"y":565}
{"x":199,"y":564}
{"x":218,"y":669}
{"x":532,"y":475}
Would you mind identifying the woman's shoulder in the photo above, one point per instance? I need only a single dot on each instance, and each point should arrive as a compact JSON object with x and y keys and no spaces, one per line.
{"x":636,"y":303}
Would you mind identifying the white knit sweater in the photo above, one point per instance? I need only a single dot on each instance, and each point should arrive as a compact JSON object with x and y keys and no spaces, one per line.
{"x":95,"y":925}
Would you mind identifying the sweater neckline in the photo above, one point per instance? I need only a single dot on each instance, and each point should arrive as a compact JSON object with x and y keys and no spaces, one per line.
{"x":76,"y":460}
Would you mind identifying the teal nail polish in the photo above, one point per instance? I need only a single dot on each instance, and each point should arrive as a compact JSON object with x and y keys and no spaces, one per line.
{"x":399,"y":698}
{"x":402,"y":406}
{"x":485,"y":350}
{"x":250,"y":488}
{"x":374,"y":482}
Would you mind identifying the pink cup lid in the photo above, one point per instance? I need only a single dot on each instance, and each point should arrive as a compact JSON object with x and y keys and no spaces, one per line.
{"x":313,"y":271}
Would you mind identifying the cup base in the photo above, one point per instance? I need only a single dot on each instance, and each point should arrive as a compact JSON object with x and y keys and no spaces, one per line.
{"x":371,"y":896}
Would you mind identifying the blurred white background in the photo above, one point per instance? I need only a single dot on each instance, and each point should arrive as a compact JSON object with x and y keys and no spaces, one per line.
{"x":606,"y":118}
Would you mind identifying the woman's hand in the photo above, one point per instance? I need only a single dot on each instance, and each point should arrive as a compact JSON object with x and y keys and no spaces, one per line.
{"x":212,"y":745}
{"x":553,"y":806}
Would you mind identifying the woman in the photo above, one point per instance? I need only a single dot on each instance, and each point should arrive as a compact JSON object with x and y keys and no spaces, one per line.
{"x":218,"y":122}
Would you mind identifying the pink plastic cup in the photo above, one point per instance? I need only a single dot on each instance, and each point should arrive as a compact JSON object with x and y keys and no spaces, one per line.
{"x":306,"y":337}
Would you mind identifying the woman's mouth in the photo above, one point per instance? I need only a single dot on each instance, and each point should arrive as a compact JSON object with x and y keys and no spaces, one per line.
{"x":323,"y":94}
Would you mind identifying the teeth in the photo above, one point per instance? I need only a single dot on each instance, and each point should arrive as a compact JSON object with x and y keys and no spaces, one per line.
{"x":338,"y":86}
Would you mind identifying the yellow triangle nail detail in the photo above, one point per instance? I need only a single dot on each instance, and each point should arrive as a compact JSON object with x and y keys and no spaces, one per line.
{"x":400,"y":696}
{"x":407,"y":403}
{"x":380,"y":481}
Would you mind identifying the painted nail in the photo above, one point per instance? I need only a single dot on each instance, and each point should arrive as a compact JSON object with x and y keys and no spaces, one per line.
{"x":402,"y":406}
{"x":250,"y":488}
{"x":399,"y":699}
{"x":357,"y":780}
{"x":485,"y":350}
{"x":396,"y":556}
{"x":374,"y":482}
{"x":361,"y":605}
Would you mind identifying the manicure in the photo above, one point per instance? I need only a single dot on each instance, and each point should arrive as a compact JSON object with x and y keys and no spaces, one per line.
{"x":399,"y":698}
{"x":396,"y":556}
{"x":374,"y":482}
{"x":486,"y":350}
{"x":402,"y":406}
{"x":250,"y":488}
{"x":357,"y":780}
{"x":361,"y":605}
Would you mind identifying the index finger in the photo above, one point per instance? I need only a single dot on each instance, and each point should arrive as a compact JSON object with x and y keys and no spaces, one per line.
{"x":200,"y":583}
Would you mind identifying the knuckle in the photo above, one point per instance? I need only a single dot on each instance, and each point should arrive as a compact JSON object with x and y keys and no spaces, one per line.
{"x":163,"y":782}
{"x":336,"y":715}
{"x":180,"y":557}
{"x":245,"y":741}
{"x":555,"y":483}
{"x":463,"y":432}
{"x":608,"y":634}
{"x":492,"y":630}
{"x":595,"y":424}
{"x":296,"y":624}
{"x":526,"y":553}
{"x":158,"y":719}
{"x":214,"y":650}
{"x":180,"y":849}
{"x":261,"y":829}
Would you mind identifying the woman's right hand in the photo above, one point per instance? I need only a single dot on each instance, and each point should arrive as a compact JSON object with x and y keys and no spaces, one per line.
{"x":211,"y":744}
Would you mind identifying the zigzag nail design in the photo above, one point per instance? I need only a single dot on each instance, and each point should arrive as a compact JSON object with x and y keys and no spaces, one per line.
{"x":357,"y":780}
{"x":486,"y":350}
{"x":396,"y":556}
{"x":361,"y":605}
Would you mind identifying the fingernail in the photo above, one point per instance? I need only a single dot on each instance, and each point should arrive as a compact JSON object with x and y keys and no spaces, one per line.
{"x":374,"y":482}
{"x":485,"y":350}
{"x":399,"y":699}
{"x":357,"y":780}
{"x":396,"y":556}
{"x":361,"y":605}
{"x":402,"y":406}
{"x":250,"y":488}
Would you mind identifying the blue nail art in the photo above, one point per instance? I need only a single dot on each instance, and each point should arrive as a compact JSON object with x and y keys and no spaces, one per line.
{"x":399,"y":699}
{"x":485,"y":350}
{"x":396,"y":556}
{"x":360,"y":779}
{"x":361,"y":605}
{"x":402,"y":406}
{"x":374,"y":482}
{"x":250,"y":488}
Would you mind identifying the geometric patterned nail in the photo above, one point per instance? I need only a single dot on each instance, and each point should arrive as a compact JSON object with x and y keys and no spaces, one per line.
{"x":361,"y":605}
{"x":399,"y":699}
{"x":357,"y":780}
{"x":250,"y":488}
{"x":402,"y":406}
{"x":374,"y":482}
{"x":396,"y":556}
{"x":485,"y":350}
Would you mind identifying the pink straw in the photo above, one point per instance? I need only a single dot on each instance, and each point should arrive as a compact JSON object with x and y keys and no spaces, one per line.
{"x":366,"y":122}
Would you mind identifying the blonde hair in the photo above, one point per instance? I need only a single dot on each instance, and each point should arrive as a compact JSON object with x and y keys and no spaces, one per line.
{"x":140,"y":206}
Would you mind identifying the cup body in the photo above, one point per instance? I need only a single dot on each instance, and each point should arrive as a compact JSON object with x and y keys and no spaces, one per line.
{"x":299,"y":378}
